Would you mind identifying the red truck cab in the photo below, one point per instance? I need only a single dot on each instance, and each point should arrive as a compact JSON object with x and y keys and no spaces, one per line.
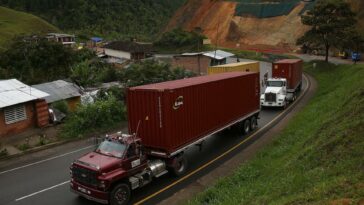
{"x":116,"y":158}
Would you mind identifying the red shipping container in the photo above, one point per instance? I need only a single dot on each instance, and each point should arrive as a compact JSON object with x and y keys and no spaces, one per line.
{"x":176,"y":113}
{"x":291,"y":69}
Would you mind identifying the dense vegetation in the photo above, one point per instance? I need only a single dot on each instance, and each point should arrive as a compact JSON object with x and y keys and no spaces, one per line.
{"x":102,"y":114}
{"x":93,"y":72}
{"x":151,"y":71}
{"x":317,"y":159}
{"x":112,"y":18}
{"x":38,"y":61}
{"x":14,"y":23}
{"x":178,"y":39}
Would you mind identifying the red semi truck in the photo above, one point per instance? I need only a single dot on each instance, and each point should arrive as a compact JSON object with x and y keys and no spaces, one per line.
{"x":284,"y":85}
{"x":165,"y":119}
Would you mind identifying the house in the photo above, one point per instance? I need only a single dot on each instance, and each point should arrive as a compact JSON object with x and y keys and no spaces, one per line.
{"x":21,"y":107}
{"x":199,"y":62}
{"x":128,"y":50}
{"x":61,"y":90}
{"x":95,"y":42}
{"x":65,"y":39}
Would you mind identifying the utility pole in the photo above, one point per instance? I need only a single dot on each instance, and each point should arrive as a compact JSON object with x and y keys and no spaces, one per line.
{"x":198,"y":31}
{"x":217,"y":36}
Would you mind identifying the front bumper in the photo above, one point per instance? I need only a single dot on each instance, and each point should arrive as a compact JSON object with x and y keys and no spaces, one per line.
{"x":89,"y":193}
{"x":272,"y":104}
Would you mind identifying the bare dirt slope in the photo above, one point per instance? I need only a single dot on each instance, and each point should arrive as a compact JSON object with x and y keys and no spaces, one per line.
{"x":217,"y":20}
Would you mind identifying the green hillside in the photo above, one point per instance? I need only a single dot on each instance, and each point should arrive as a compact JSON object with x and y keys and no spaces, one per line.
{"x":317,"y":159}
{"x":108,"y":18}
{"x":14,"y":23}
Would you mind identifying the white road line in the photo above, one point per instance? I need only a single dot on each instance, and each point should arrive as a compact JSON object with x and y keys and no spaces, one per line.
{"x":38,"y":192}
{"x":45,"y":160}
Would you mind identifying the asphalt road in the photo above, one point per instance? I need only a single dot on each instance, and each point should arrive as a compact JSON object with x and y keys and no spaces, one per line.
{"x":43,"y":178}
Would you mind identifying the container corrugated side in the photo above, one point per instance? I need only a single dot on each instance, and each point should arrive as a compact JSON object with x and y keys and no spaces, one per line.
{"x":173,"y":118}
{"x":234,"y":67}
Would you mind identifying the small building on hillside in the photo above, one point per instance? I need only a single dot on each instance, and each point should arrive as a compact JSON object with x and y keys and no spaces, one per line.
{"x":95,"y":42}
{"x":61,"y":90}
{"x":65,"y":39}
{"x":199,"y":62}
{"x":21,"y":107}
{"x":128,"y":50}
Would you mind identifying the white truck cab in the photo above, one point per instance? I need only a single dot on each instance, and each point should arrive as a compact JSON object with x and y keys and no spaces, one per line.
{"x":275,"y":94}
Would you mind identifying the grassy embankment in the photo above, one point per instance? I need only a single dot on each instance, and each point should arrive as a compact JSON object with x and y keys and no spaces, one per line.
{"x":317,"y":159}
{"x":13,"y":23}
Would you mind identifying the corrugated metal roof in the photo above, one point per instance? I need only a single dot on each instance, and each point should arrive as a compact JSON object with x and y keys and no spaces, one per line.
{"x":192,"y":54}
{"x":58,"y":90}
{"x":190,"y":81}
{"x":14,"y":92}
{"x":219,"y":54}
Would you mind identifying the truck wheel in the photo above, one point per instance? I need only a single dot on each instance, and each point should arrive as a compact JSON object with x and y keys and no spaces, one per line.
{"x":246,"y":126}
{"x":120,"y":194}
{"x":253,"y":123}
{"x":285,"y":104}
{"x":179,"y":167}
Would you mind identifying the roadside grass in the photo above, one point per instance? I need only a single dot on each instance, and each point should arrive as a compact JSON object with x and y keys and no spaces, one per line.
{"x":13,"y":23}
{"x":317,"y":159}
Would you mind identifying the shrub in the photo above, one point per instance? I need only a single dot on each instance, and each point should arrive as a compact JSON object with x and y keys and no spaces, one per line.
{"x":23,"y":147}
{"x":4,"y":152}
{"x":151,"y":71}
{"x":61,"y":106}
{"x":102,"y":114}
{"x":179,"y":37}
{"x":42,"y":140}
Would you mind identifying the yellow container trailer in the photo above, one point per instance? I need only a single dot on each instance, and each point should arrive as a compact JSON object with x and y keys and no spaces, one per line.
{"x":233,"y":67}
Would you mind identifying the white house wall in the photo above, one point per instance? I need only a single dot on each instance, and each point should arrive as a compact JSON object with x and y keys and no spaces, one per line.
{"x":117,"y":54}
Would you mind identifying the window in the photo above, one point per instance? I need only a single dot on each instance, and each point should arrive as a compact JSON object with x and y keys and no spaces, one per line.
{"x":15,"y":114}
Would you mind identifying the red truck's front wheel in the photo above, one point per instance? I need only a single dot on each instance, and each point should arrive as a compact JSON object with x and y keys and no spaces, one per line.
{"x":120,"y":194}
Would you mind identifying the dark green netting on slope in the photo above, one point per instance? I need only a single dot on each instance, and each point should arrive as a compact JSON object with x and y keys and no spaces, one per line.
{"x":265,"y":9}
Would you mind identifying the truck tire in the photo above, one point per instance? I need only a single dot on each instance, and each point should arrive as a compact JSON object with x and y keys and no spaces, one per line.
{"x":253,"y":123}
{"x":120,"y":194}
{"x":179,"y":167}
{"x":246,"y":126}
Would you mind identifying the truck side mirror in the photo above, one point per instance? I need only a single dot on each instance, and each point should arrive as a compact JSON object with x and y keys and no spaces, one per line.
{"x":98,"y":140}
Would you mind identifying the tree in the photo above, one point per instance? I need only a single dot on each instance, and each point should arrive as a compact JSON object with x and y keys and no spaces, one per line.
{"x":151,"y":71}
{"x":330,"y":21}
{"x":36,"y":61}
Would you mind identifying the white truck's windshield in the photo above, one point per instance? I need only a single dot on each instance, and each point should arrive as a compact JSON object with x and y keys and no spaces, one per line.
{"x":275,"y":83}
{"x":111,"y":148}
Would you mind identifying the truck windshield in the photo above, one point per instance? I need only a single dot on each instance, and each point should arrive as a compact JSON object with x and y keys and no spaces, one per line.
{"x":111,"y":148}
{"x":275,"y":84}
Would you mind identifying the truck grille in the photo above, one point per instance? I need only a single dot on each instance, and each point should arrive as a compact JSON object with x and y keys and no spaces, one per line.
{"x":85,"y":176}
{"x":270,"y":97}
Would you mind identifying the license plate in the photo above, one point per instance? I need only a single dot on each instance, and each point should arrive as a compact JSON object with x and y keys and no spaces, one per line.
{"x":82,"y":189}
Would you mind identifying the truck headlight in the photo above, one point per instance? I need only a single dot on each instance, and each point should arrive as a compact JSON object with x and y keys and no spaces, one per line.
{"x":102,"y":184}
